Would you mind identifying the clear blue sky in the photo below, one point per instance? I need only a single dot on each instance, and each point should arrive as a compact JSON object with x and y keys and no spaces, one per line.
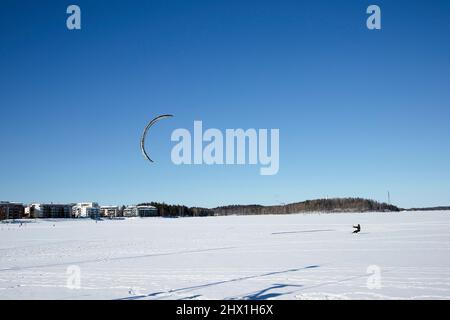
{"x":360,"y":112}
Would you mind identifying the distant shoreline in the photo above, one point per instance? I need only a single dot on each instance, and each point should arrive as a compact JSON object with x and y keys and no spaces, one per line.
{"x":440,"y":208}
{"x":25,"y":221}
{"x":334,"y":205}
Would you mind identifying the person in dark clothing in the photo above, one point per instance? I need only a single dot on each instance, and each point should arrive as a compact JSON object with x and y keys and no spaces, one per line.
{"x":357,"y":228}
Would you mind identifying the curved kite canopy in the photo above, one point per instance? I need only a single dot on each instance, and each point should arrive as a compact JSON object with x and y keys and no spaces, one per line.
{"x":149,"y":125}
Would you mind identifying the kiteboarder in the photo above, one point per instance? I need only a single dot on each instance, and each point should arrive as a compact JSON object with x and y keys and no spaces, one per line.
{"x":357,"y":228}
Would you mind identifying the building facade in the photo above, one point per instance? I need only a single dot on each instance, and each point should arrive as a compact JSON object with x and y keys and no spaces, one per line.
{"x":140,"y":211}
{"x":49,"y":210}
{"x":86,"y":210}
{"x":130,"y":211}
{"x":11,"y":210}
{"x":147,"y":211}
{"x":110,"y":211}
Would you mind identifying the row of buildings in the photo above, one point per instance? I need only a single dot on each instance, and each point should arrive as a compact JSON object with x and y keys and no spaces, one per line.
{"x":14,"y":210}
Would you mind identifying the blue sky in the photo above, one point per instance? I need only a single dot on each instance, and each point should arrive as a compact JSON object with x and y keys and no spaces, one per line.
{"x":360,"y":112}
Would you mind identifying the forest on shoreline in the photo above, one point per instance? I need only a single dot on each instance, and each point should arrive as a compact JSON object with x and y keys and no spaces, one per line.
{"x":318,"y":205}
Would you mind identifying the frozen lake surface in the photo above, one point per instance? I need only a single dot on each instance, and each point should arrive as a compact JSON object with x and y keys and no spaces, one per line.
{"x":303,"y":256}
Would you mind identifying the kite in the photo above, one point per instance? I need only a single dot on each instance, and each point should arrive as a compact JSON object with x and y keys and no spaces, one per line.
{"x":149,"y":125}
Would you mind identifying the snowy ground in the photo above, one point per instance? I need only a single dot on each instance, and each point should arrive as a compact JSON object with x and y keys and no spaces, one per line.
{"x":307,"y":256}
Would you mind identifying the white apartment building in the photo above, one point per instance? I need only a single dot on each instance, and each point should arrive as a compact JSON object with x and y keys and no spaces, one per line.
{"x":86,"y":210}
{"x":49,"y":210}
{"x":110,"y":211}
{"x":140,"y":211}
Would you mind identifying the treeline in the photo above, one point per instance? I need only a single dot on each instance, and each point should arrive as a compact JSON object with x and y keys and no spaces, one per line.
{"x":171,"y":211}
{"x":430,"y":209}
{"x":319,"y":205}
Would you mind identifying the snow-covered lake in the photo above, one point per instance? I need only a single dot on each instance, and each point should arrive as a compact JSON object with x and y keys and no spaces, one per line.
{"x":304,"y":256}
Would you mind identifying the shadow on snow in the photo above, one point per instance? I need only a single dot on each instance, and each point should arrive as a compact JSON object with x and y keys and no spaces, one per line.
{"x":260,"y":295}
